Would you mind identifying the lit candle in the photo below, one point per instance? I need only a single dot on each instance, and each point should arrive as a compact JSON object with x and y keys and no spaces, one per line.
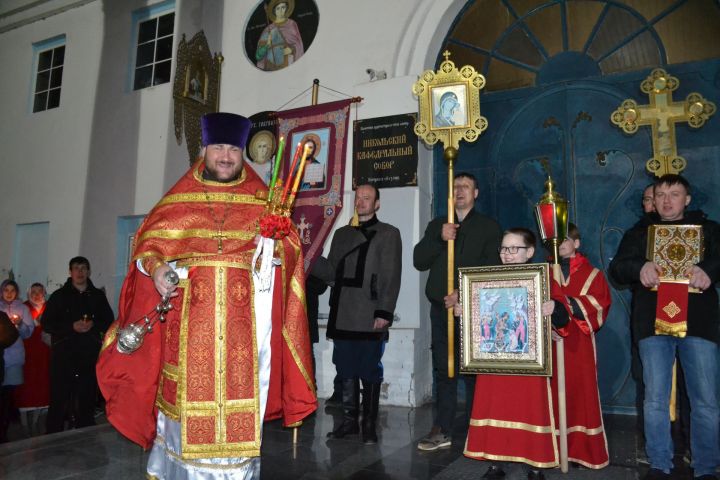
{"x":298,"y":177}
{"x":292,"y":167}
{"x":276,"y":167}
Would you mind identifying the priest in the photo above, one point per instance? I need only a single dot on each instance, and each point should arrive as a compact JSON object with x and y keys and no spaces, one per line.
{"x":233,"y":350}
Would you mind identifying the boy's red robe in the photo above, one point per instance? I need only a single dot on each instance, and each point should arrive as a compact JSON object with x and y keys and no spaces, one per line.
{"x":200,"y":366}
{"x":515,"y":418}
{"x":587,"y":444}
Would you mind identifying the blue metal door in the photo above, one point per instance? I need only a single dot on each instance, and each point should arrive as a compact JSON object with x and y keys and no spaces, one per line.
{"x":600,"y":170}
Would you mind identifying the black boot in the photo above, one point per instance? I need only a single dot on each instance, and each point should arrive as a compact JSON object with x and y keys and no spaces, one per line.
{"x":351,"y":407}
{"x":335,"y":400}
{"x":370,"y":403}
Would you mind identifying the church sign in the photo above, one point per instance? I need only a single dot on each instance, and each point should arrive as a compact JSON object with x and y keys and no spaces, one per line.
{"x":385,"y":151}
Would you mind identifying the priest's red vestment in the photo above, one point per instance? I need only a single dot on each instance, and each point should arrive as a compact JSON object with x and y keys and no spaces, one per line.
{"x":200,"y":366}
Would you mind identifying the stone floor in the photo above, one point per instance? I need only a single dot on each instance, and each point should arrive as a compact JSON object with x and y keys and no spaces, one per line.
{"x":101,"y":453}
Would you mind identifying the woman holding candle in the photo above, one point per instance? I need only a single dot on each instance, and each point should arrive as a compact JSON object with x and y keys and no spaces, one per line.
{"x":14,"y":355}
{"x":33,"y":396}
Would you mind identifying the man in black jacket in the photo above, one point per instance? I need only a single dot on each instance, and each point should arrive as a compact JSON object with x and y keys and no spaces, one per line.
{"x":477,"y":239}
{"x":697,"y":349}
{"x":76,"y":316}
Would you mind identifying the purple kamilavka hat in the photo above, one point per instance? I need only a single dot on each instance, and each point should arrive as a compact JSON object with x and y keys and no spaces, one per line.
{"x":228,"y":128}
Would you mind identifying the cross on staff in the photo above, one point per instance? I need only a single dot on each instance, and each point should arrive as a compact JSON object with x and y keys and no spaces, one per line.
{"x":662,"y":114}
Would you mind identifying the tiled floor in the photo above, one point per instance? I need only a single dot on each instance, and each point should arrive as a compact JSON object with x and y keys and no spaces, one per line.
{"x":101,"y":453}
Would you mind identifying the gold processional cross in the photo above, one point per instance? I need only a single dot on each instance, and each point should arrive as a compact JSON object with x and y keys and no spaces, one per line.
{"x":662,"y":114}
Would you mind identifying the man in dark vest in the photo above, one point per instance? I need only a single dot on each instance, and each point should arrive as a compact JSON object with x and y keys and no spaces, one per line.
{"x":364,"y":267}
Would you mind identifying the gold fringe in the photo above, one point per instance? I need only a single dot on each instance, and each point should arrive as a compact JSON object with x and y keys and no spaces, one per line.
{"x":678,"y":329}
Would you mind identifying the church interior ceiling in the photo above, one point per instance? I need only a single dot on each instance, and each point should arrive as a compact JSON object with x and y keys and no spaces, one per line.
{"x":513,"y":42}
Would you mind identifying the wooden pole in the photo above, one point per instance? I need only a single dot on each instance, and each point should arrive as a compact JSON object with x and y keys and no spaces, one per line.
{"x":219,"y":59}
{"x":314,"y":101}
{"x":673,"y":393}
{"x":450,"y":155}
{"x":295,"y":428}
{"x":560,"y":369}
{"x":315,"y":89}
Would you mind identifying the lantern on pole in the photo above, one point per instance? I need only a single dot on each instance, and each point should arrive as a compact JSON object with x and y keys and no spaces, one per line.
{"x":551,"y":212}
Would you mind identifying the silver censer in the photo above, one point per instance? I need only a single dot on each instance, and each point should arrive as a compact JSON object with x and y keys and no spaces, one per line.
{"x":131,"y":337}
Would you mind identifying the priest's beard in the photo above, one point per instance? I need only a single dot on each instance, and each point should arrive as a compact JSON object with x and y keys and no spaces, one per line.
{"x":208,"y":175}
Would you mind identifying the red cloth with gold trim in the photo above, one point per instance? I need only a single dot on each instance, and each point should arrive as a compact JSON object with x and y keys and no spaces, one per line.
{"x":200,"y":366}
{"x":512,"y":421}
{"x":35,"y":390}
{"x":671,"y":309}
{"x":587,"y":444}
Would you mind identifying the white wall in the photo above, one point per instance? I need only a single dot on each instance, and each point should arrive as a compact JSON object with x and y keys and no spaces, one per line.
{"x":45,"y":155}
{"x":108,"y":151}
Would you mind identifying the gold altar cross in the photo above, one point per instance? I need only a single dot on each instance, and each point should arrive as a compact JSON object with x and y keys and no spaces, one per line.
{"x":662,"y":114}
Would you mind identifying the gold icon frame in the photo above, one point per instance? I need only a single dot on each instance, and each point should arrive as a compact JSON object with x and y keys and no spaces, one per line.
{"x":465,"y":84}
{"x":529,"y":283}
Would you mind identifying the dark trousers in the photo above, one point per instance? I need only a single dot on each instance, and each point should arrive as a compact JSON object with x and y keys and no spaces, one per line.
{"x":73,"y":392}
{"x":359,"y":359}
{"x":6,"y":410}
{"x":446,"y":388}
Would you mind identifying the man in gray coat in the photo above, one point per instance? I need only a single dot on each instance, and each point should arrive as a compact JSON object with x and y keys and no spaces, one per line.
{"x":364,"y":267}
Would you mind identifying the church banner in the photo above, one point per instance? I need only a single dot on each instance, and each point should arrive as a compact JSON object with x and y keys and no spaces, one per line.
{"x":385,"y":151}
{"x":319,"y":200}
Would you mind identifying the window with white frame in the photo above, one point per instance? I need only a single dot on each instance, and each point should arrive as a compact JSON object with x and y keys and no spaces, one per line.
{"x":154,"y":27}
{"x":49,"y":60}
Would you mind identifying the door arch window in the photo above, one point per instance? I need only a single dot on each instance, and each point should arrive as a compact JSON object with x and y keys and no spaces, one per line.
{"x":525,"y":43}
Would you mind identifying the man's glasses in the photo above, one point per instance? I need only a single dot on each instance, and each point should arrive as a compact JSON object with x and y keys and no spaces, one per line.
{"x":511,"y":250}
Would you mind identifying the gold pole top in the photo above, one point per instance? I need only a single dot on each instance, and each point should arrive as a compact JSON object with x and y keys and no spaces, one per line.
{"x":550,"y":195}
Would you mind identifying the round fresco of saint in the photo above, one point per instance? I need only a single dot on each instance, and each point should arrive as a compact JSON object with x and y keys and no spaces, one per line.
{"x":279,"y":32}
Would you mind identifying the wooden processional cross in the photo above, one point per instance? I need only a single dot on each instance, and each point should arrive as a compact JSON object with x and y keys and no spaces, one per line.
{"x":662,"y":114}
